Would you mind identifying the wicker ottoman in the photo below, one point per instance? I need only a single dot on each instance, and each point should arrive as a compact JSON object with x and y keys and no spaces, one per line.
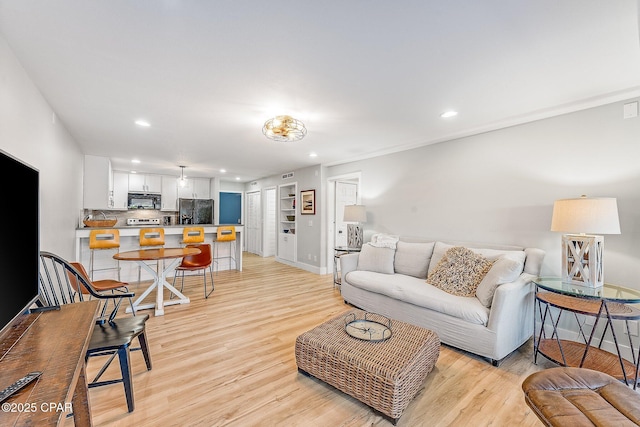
{"x":384,"y":375}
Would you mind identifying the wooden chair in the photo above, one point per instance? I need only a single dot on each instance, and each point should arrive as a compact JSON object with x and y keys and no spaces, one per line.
{"x":105,"y":285}
{"x":201,"y":261}
{"x":59,"y":284}
{"x":191,"y":235}
{"x":225,"y":234}
{"x":99,"y":240}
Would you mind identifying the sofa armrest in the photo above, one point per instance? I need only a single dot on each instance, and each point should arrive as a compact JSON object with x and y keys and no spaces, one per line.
{"x":511,"y":316}
{"x":348,"y":263}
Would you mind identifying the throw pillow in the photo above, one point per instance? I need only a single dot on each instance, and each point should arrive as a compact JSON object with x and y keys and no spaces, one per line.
{"x":459,"y":272}
{"x":505,"y":269}
{"x":412,"y":259}
{"x":378,"y":260}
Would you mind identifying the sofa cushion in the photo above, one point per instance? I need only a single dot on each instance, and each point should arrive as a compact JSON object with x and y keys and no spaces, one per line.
{"x":441,"y":248}
{"x":459,"y":272}
{"x":415,"y":291}
{"x":413,"y":259}
{"x":378,"y":260}
{"x":505,"y":269}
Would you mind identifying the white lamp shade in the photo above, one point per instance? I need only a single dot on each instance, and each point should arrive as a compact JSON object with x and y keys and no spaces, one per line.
{"x":597,"y":215}
{"x":355,"y":213}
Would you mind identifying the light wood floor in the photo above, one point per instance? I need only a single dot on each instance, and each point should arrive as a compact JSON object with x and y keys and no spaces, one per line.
{"x":229,"y":361}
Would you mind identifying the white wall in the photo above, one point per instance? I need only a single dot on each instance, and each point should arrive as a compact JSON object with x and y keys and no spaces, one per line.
{"x":499,"y":187}
{"x":28,"y":132}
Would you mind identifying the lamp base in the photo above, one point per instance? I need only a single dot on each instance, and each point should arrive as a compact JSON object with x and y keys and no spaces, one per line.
{"x":354,"y":236}
{"x":582,"y":260}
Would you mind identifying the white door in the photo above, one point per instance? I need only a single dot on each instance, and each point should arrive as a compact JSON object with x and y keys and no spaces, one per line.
{"x":269,"y":228}
{"x":346,"y":194}
{"x":254,"y":221}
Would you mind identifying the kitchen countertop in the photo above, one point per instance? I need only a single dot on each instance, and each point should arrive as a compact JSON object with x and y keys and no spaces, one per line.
{"x":136,"y":227}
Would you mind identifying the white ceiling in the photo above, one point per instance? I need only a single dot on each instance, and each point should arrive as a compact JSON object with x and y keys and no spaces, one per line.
{"x":367,"y":77}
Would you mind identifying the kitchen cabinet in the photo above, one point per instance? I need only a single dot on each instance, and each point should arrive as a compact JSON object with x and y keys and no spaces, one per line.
{"x":140,"y":183}
{"x":120,"y":190}
{"x":97,"y":183}
{"x":287,"y":247}
{"x":169,"y":193}
{"x":195,"y":188}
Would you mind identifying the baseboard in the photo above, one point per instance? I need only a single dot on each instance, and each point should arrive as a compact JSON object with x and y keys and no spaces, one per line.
{"x":310,"y":268}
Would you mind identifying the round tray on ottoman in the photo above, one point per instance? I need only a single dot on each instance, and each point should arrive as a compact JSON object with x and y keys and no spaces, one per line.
{"x":385,"y":375}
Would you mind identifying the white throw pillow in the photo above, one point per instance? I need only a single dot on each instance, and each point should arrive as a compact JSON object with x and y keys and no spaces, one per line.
{"x":378,"y":260}
{"x":504,"y":270}
{"x":412,"y":259}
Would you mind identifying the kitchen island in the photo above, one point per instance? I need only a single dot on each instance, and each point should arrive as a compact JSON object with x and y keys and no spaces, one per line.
{"x":129,"y":241}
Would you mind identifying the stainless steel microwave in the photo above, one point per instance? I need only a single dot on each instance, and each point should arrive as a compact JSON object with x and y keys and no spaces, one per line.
{"x":144,"y":201}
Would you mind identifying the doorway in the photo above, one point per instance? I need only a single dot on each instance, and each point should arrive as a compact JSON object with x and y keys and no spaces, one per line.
{"x":254,"y":223}
{"x":270,"y":232}
{"x":341,"y":190}
{"x":230,"y":208}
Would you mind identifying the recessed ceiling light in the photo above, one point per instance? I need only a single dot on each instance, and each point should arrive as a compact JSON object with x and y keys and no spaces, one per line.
{"x":135,"y":161}
{"x":134,"y":172}
{"x":448,"y":114}
{"x":237,"y":178}
{"x":223,"y":171}
{"x":143,"y":123}
{"x":313,"y":155}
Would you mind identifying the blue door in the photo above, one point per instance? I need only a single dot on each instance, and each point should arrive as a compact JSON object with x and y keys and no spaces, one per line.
{"x":230,"y":208}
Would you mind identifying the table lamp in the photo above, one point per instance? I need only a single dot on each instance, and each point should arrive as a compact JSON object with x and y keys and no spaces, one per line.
{"x":582,"y":253}
{"x":355,"y":214}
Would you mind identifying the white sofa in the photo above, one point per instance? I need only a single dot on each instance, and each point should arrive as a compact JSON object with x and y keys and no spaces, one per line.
{"x":492,"y":324}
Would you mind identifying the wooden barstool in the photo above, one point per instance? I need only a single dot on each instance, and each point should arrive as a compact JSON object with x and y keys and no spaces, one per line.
{"x":151,"y":238}
{"x":226,"y":234}
{"x":192,"y":235}
{"x":106,"y":239}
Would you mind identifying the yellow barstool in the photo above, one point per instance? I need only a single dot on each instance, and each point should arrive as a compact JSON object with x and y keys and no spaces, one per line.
{"x":226,"y":234}
{"x":103,"y":240}
{"x":192,"y":235}
{"x":151,"y":238}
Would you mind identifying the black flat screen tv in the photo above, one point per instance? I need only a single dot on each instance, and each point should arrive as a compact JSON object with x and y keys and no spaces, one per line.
{"x":19,"y":239}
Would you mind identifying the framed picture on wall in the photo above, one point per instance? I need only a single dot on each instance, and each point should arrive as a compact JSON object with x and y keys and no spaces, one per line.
{"x":308,"y":202}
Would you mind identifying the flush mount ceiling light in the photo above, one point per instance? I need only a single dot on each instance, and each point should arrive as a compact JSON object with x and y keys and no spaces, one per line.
{"x":284,"y":128}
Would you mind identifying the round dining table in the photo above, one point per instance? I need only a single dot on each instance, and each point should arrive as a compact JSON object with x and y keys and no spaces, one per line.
{"x":159,"y":275}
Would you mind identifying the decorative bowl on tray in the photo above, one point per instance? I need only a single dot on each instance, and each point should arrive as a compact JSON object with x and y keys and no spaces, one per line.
{"x":291,"y":217}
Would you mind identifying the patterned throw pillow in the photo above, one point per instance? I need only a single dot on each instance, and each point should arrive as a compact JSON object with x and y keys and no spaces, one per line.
{"x":459,"y":272}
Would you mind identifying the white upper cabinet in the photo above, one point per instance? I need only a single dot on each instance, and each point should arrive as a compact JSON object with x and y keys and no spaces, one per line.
{"x":120,"y":190}
{"x":97,"y":183}
{"x":195,"y":188}
{"x":169,"y":193}
{"x":140,"y":183}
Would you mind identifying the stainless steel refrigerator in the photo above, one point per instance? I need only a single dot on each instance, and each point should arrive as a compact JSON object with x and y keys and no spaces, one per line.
{"x":195,"y":211}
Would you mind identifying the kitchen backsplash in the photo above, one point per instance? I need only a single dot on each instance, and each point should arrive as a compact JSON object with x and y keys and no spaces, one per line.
{"x":122,"y":216}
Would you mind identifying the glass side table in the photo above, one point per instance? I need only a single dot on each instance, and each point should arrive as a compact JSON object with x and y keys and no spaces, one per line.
{"x":338,"y":251}
{"x":608,"y":303}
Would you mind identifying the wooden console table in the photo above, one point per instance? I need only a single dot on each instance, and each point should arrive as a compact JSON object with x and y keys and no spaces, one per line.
{"x":606,"y":303}
{"x":55,"y":343}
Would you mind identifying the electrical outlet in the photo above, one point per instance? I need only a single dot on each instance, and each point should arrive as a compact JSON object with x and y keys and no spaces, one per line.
{"x":315,"y":258}
{"x":309,"y":257}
